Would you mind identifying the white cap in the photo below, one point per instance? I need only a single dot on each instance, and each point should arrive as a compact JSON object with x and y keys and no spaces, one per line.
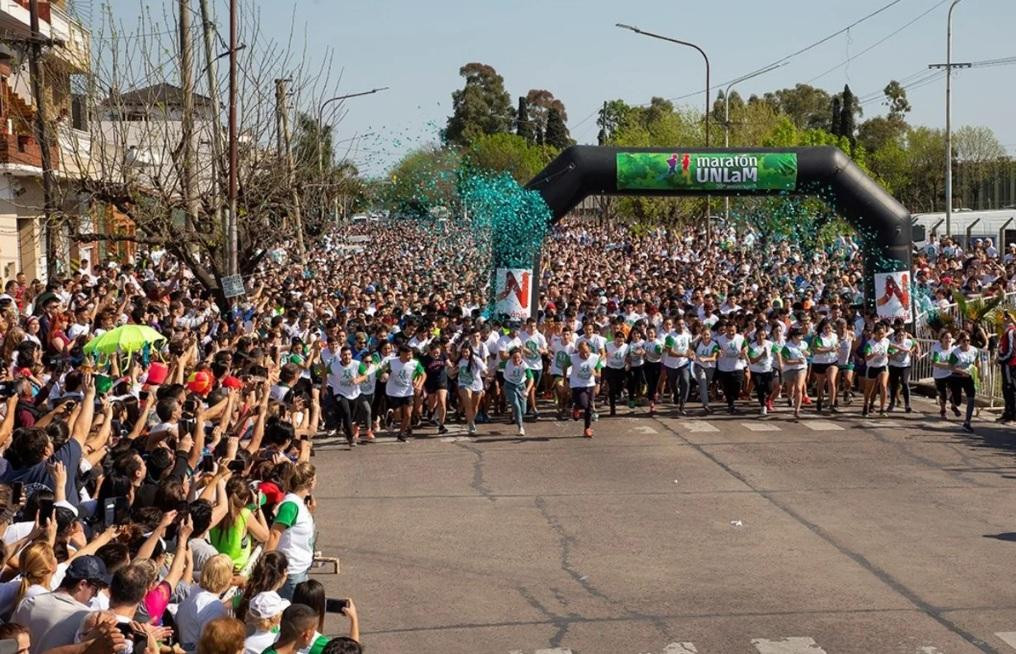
{"x":267,"y":605}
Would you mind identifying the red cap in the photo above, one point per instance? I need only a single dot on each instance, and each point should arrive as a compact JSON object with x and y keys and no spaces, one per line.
{"x":229,"y":381}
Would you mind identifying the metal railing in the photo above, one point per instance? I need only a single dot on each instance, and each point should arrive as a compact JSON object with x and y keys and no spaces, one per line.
{"x":989,"y":378}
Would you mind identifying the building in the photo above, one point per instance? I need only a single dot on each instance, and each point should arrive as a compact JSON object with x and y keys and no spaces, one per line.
{"x":22,"y":229}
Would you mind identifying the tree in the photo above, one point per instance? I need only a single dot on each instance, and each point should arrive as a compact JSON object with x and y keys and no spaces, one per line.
{"x":848,"y":126}
{"x":805,"y":105}
{"x":896,"y":100}
{"x":482,"y":106}
{"x":496,"y":153}
{"x":612,"y":115}
{"x":977,"y":154}
{"x":423,"y":180}
{"x":836,"y":121}
{"x":540,"y":102}
{"x":556,"y":135}
{"x":523,"y":127}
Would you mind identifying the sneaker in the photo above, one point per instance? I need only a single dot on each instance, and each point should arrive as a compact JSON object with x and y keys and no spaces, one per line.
{"x":763,"y":411}
{"x":441,"y":429}
{"x":596,"y":416}
{"x":522,"y":431}
{"x":356,"y":432}
{"x":818,"y":406}
{"x":769,"y":405}
{"x":907,"y":409}
{"x":967,"y":427}
{"x":588,"y":433}
{"x":536,"y":416}
{"x":370,"y":435}
{"x":806,"y":400}
{"x":941,"y":413}
{"x":631,"y":404}
{"x":956,"y":411}
{"x":881,"y":413}
{"x":402,"y":437}
{"x":471,"y":429}
{"x":575,"y":413}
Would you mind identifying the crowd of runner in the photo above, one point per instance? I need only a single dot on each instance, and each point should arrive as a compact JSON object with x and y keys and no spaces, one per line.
{"x":161,"y":498}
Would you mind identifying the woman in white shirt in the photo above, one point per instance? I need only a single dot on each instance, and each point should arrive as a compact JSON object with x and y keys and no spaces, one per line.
{"x":964,"y":370}
{"x":759,"y":352}
{"x":562,"y":346}
{"x":903,"y":349}
{"x":844,"y":363}
{"x":941,"y":371}
{"x":469,"y":370}
{"x":825,"y":347}
{"x":636,"y":364}
{"x":583,"y":378}
{"x":876,"y":356}
{"x":652,"y":366}
{"x":794,"y":361}
{"x":730,"y":363}
{"x":617,"y":368}
{"x":518,"y":380}
{"x":706,"y":351}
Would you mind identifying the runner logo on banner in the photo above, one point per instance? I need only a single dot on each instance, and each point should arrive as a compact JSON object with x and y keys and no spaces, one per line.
{"x":511,"y":292}
{"x":892,"y":295}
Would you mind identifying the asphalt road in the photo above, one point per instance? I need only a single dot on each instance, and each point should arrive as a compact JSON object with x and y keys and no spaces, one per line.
{"x":679,"y":535}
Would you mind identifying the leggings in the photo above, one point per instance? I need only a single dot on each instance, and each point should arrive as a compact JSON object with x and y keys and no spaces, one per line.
{"x":731,"y":381}
{"x":964,"y":385}
{"x":763,"y":382}
{"x":379,"y":402}
{"x":582,"y":399}
{"x":704,"y":377}
{"x":897,"y":376}
{"x":344,"y":408}
{"x":679,"y":381}
{"x":615,"y":383}
{"x":945,"y":391}
{"x":362,"y":410}
{"x":636,"y":377}
{"x":516,"y":396}
{"x":652,"y":373}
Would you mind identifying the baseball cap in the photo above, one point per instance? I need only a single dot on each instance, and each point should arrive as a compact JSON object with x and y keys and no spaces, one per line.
{"x":88,"y":568}
{"x":267,"y":604}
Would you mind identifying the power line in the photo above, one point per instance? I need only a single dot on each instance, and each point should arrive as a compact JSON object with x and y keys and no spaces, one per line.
{"x":778,"y":61}
{"x":877,"y":43}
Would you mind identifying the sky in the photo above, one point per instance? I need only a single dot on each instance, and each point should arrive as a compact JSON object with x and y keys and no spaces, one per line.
{"x":573,"y":49}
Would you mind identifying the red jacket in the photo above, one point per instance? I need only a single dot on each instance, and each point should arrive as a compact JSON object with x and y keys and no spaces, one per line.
{"x":1007,"y":347}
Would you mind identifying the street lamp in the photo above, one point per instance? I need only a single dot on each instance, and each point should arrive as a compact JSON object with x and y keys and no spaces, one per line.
{"x":726,"y":118}
{"x":320,"y":125}
{"x":709,"y":227}
{"x":679,"y":42}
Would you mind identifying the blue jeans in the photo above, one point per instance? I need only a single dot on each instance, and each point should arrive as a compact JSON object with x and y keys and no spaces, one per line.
{"x":288,"y":588}
{"x":516,"y":394}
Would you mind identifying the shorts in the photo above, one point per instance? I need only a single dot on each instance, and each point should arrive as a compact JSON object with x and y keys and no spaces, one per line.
{"x":873,"y":372}
{"x":820,"y":368}
{"x":794,"y":375}
{"x":845,"y":367}
{"x":397,"y":402}
{"x":434,"y":387}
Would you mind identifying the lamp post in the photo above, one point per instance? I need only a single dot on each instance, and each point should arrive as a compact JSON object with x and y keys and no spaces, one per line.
{"x":948,"y":120}
{"x":320,"y":121}
{"x":709,"y":230}
{"x":726,"y":119}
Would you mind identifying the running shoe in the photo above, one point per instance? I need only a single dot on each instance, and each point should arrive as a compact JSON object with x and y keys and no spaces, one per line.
{"x":522,"y":431}
{"x":575,"y":413}
{"x":631,"y":404}
{"x":370,"y":436}
{"x":441,"y":429}
{"x":956,"y":411}
{"x":402,"y":437}
{"x":763,"y":412}
{"x":471,"y":429}
{"x":967,"y":427}
{"x":588,"y":433}
{"x":806,"y":400}
{"x":596,"y":416}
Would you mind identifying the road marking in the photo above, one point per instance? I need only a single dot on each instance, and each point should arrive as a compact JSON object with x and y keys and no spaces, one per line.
{"x":1008,"y":637}
{"x":697,"y":426}
{"x":928,"y":649}
{"x":760,"y":426}
{"x":680,"y":648}
{"x":794,"y":645}
{"x":556,"y":650}
{"x":456,"y":439}
{"x":645,"y":429}
{"x":821,"y":425}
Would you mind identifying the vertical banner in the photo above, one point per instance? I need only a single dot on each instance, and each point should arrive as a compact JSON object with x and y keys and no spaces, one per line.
{"x":512,"y":292}
{"x":892,"y":295}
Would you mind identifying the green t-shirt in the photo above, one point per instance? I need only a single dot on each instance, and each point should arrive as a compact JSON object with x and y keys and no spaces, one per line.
{"x":234,"y":540}
{"x":316,"y":646}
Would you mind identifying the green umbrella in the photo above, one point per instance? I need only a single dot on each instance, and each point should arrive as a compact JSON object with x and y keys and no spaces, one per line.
{"x":128,"y":338}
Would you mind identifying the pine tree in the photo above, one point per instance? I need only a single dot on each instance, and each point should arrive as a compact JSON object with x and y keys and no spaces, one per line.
{"x":557,"y":132}
{"x":836,"y":125}
{"x":523,"y":126}
{"x":848,"y":127}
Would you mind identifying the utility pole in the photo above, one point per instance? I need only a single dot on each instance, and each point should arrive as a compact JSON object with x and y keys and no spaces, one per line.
{"x":948,"y":66}
{"x":233,"y":261}
{"x":187,"y":122}
{"x":286,"y":152}
{"x":42,"y":134}
{"x":213,"y":93}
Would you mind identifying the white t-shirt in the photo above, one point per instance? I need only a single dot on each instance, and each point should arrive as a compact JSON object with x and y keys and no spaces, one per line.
{"x":259,"y":641}
{"x":730,"y":353}
{"x":516,"y":373}
{"x":616,"y":355}
{"x":531,"y":346}
{"x":764,"y":349}
{"x":704,"y":350}
{"x":401,"y":377}
{"x":832,"y":341}
{"x":897,"y":357}
{"x":654,"y":350}
{"x":198,"y":609}
{"x":583,"y":371}
{"x":560,"y":356}
{"x":297,"y":541}
{"x":505,"y":345}
{"x":596,"y":342}
{"x":797,"y":352}
{"x":471,"y":374}
{"x":637,"y":353}
{"x":940,"y":354}
{"x":677,"y":342}
{"x":880,"y":350}
{"x":340,"y":377}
